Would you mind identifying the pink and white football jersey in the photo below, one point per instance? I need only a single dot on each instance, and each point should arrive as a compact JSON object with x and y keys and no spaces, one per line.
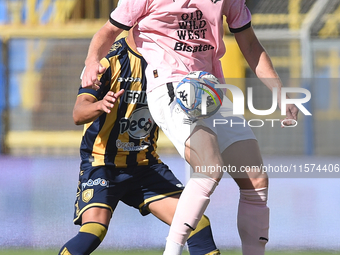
{"x":179,"y":36}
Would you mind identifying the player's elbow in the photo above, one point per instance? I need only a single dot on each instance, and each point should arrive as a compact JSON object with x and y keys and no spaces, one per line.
{"x":77,"y":122}
{"x":76,"y":119}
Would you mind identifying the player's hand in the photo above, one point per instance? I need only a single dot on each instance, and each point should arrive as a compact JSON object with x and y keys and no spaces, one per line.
{"x":89,"y":78}
{"x":291,"y":115}
{"x":109,"y":100}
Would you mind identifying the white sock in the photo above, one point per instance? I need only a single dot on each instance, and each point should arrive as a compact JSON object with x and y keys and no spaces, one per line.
{"x":172,"y":248}
{"x":253,"y":221}
{"x":191,"y":206}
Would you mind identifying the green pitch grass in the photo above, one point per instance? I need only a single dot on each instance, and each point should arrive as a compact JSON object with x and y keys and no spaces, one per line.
{"x":152,"y":252}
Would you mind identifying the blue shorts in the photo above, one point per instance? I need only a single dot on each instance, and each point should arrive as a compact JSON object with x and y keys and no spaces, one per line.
{"x":138,"y":186}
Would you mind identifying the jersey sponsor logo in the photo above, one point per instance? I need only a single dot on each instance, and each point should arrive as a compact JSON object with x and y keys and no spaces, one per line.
{"x":130,"y":146}
{"x":179,"y":46}
{"x":139,"y":124}
{"x":191,"y":34}
{"x":134,"y":97}
{"x":192,"y":26}
{"x":96,"y":182}
{"x":130,"y":79}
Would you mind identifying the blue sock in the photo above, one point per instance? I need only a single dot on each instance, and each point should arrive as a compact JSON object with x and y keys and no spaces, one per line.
{"x":86,"y":241}
{"x":201,"y":240}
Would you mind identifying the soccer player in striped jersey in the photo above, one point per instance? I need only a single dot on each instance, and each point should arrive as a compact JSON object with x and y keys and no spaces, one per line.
{"x":118,"y":156}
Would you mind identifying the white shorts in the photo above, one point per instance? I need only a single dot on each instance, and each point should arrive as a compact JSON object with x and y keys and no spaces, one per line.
{"x":177,"y":127}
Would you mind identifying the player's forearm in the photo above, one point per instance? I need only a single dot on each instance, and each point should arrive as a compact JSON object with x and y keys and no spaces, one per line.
{"x":101,"y":43}
{"x":266,"y":72}
{"x":257,"y":58}
{"x":86,"y":112}
{"x":98,"y":48}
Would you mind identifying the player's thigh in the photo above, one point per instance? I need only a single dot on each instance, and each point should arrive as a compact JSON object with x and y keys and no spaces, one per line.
{"x":99,"y":191}
{"x":170,"y":117}
{"x":195,"y":142}
{"x":202,"y":149}
{"x":97,"y":214}
{"x":245,"y":161}
{"x":164,"y":209}
{"x":151,"y":185}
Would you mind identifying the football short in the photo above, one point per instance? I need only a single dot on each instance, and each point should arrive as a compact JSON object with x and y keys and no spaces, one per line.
{"x":138,"y":186}
{"x":177,"y":127}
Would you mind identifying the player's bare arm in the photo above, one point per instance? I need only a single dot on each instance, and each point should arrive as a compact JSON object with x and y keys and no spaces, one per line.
{"x":257,"y":58}
{"x":259,"y":61}
{"x":87,"y":108}
{"x":99,"y":47}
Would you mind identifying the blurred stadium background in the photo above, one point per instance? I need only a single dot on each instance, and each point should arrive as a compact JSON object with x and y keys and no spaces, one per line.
{"x":43,"y":48}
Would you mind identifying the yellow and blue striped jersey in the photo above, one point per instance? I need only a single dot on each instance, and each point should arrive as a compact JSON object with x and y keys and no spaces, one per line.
{"x":126,"y":136}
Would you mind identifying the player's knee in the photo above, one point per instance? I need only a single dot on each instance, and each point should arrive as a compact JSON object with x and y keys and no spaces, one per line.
{"x":250,"y":182}
{"x":254,"y":196}
{"x":202,"y":145}
{"x":260,"y":181}
{"x":96,"y":229}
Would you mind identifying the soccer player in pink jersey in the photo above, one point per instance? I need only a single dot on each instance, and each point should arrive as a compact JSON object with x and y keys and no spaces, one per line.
{"x":176,"y":37}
